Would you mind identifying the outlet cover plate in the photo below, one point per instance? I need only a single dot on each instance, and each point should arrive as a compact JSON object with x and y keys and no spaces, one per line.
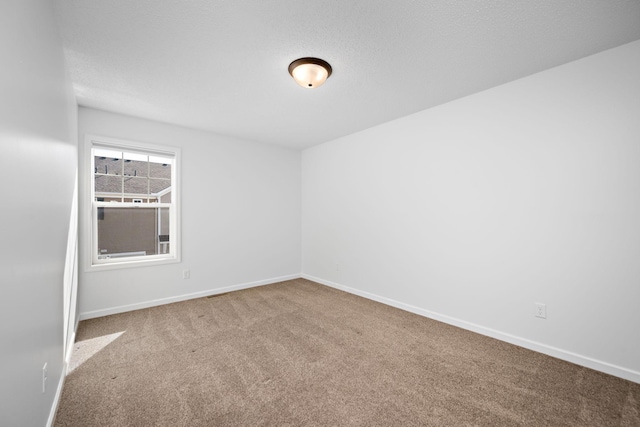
{"x":541,"y":310}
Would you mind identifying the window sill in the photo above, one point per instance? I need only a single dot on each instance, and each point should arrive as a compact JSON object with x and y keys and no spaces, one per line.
{"x":132,"y":264}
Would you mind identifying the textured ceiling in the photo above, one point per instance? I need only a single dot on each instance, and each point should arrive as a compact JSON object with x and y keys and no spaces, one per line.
{"x":222,"y":65}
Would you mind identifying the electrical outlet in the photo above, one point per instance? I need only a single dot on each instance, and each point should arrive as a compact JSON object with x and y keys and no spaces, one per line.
{"x":337,"y":266}
{"x":186,"y":274}
{"x":44,"y":378}
{"x":541,"y":310}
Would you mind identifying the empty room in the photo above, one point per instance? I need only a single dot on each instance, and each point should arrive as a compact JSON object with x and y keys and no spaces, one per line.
{"x":358,"y":213}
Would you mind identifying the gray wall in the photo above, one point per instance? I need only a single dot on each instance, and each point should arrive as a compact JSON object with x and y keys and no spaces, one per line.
{"x":240,"y":218}
{"x":472,"y":211}
{"x":38,"y":165}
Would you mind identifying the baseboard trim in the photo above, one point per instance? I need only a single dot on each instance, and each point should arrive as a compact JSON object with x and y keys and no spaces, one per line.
{"x":56,"y":399}
{"x":184,"y":297}
{"x":558,"y":353}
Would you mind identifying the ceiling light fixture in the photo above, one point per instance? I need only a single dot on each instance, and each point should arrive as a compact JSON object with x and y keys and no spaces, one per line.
{"x":310,"y":72}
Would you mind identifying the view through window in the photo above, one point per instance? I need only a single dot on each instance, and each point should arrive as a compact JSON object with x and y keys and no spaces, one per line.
{"x":133,"y":209}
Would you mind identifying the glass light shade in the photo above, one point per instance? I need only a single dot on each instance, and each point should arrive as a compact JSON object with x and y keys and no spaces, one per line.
{"x":310,"y":72}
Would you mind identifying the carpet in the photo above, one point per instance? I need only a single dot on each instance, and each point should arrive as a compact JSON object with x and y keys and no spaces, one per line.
{"x":298,"y":353}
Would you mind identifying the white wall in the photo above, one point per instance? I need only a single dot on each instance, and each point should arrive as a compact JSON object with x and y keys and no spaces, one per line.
{"x":37,"y":170}
{"x":240,"y":218}
{"x":472,"y":211}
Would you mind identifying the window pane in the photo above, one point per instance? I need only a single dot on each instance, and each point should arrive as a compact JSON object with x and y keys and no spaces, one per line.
{"x":108,"y":184}
{"x":159,"y":185}
{"x":108,"y":165}
{"x":163,"y":231}
{"x":106,"y":152}
{"x":135,"y":156}
{"x":160,"y":167}
{"x":135,"y":167}
{"x":127,"y":232}
{"x":136,"y":186}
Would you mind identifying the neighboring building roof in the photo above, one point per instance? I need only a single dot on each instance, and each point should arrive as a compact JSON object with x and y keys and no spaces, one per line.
{"x":139,"y":177}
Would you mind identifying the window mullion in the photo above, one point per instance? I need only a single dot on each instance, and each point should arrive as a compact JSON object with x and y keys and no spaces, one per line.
{"x":148,"y":180}
{"x":122,"y":177}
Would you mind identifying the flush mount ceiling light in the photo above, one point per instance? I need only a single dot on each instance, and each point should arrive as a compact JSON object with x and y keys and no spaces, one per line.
{"x":310,"y":72}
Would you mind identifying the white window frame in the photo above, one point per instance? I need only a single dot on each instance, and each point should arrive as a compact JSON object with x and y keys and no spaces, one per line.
{"x":90,"y":217}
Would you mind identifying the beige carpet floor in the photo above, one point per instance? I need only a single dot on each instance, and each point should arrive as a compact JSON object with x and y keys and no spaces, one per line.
{"x":301,"y":354}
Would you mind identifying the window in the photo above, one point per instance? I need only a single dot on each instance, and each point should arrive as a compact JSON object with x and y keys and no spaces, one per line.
{"x":134,"y":203}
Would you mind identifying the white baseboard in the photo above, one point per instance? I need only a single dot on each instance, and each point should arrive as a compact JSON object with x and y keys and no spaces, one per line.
{"x":184,"y":297}
{"x":558,"y":353}
{"x":58,"y":395}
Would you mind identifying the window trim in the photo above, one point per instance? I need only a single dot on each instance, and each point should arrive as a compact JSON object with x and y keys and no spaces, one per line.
{"x":89,"y":222}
